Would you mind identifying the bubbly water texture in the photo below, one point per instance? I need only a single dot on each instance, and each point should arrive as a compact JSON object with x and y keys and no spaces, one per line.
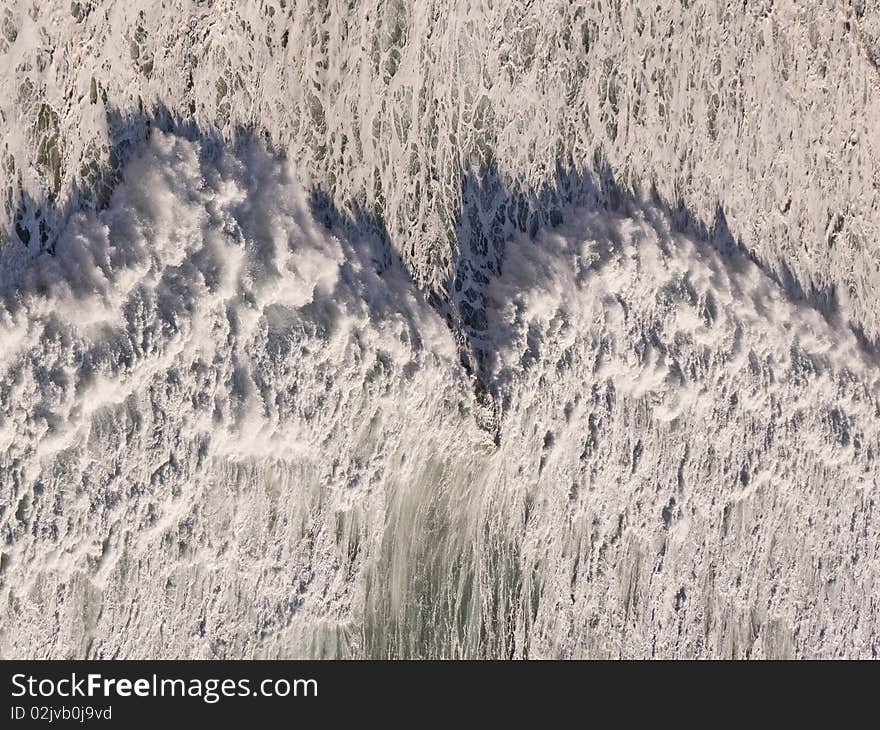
{"x":227,"y":431}
{"x":767,"y":108}
{"x":371,"y":328}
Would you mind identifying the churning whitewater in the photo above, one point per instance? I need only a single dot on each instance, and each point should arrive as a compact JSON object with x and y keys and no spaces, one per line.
{"x":439,"y":328}
{"x":230,"y":427}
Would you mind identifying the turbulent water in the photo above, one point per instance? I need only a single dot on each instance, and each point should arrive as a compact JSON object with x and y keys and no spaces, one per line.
{"x":395,"y":329}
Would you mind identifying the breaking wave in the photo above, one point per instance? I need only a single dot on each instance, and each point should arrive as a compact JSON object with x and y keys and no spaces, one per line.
{"x":231,"y":425}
